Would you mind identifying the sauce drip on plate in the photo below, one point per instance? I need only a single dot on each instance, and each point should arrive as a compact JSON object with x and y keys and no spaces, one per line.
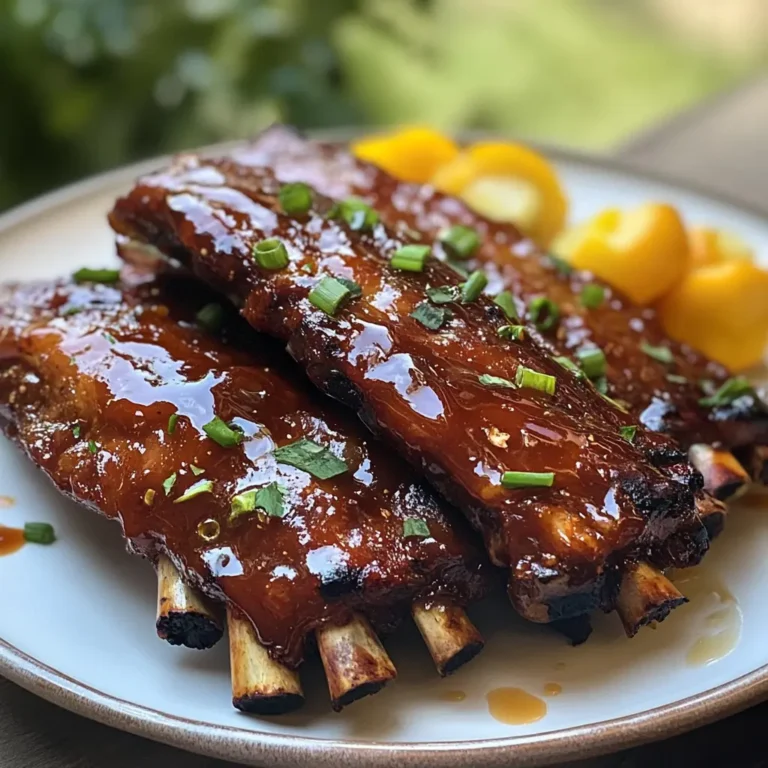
{"x":552,"y":689}
{"x":454,"y":696}
{"x":6,"y":502}
{"x":11,"y":540}
{"x":514,"y":706}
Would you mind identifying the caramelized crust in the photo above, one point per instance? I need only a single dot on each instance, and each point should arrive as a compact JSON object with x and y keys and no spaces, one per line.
{"x":612,"y":500}
{"x":90,"y":376}
{"x":662,"y":397}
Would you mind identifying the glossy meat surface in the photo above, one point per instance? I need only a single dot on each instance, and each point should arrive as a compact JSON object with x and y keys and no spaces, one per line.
{"x":90,"y":376}
{"x":662,"y":396}
{"x":422,"y":389}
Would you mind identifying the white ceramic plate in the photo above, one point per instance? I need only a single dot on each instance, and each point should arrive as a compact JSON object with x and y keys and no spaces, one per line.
{"x":77,"y":619}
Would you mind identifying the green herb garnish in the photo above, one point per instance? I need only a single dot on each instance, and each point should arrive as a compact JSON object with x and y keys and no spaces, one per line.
{"x":149,"y":496}
{"x":210,"y":317}
{"x":592,"y":362}
{"x":271,"y":254}
{"x":222,"y":433}
{"x":528,"y":479}
{"x":527,"y":377}
{"x":628,"y":433}
{"x":76,"y":430}
{"x":93,"y":446}
{"x":473,"y":288}
{"x":560,"y":265}
{"x":544,"y":313}
{"x":415,"y":526}
{"x":196,"y":471}
{"x":173,"y":420}
{"x":461,"y":242}
{"x":269,"y":499}
{"x":86,"y":275}
{"x":169,"y":482}
{"x":357,"y":213}
{"x":569,"y":365}
{"x":431,"y":317}
{"x":355,"y":291}
{"x":329,"y":295}
{"x":730,"y":390}
{"x":495,"y":381}
{"x":444,"y":294}
{"x":592,"y":296}
{"x":661,"y":353}
{"x":313,"y":458}
{"x":39,"y":533}
{"x":676,"y":378}
{"x":506,"y":302}
{"x":514,"y":332}
{"x":198,"y":489}
{"x":295,"y":199}
{"x":410,"y":258}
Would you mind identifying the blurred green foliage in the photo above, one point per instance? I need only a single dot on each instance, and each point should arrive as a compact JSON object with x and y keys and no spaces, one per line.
{"x":86,"y":85}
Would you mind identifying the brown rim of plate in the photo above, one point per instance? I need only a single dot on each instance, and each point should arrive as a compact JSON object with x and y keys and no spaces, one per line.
{"x":285,"y":751}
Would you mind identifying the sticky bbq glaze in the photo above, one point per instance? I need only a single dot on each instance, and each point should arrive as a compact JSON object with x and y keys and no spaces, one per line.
{"x":661,"y":396}
{"x":90,"y":378}
{"x":422,"y":388}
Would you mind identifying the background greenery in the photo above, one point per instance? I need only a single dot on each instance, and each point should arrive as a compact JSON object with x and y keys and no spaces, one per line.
{"x":86,"y":85}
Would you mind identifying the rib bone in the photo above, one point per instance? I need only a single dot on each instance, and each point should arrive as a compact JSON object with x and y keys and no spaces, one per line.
{"x":646,"y":595}
{"x":724,"y":477}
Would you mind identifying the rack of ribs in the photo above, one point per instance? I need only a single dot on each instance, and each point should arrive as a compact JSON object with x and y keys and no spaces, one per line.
{"x":659,"y":380}
{"x":241,"y":484}
{"x":580,"y":505}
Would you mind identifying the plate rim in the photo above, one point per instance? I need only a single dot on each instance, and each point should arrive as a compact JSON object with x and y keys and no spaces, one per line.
{"x":255,"y":747}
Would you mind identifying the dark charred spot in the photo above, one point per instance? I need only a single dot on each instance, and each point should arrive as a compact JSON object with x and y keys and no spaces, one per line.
{"x":341,"y":582}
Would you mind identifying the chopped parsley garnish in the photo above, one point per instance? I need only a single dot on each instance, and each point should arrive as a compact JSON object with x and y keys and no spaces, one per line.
{"x":269,"y":499}
{"x":93,"y":446}
{"x":169,"y":482}
{"x":628,"y":433}
{"x":76,"y":430}
{"x":415,"y":526}
{"x":444,"y":294}
{"x":495,"y":381}
{"x":199,"y":488}
{"x":196,"y":471}
{"x":222,"y":433}
{"x":311,"y":457}
{"x":431,"y":317}
{"x":730,"y":390}
{"x":514,"y":332}
{"x":506,"y":302}
{"x":659,"y":353}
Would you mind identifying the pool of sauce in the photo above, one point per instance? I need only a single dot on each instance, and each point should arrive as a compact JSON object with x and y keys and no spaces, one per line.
{"x":514,"y":706}
{"x":552,"y":689}
{"x":453,"y":696}
{"x":11,"y":540}
{"x":719,"y":632}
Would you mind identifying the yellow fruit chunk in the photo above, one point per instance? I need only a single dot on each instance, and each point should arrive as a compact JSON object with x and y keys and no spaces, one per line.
{"x":410,"y":154}
{"x":643,"y":252}
{"x":721,"y":305}
{"x":508,"y":183}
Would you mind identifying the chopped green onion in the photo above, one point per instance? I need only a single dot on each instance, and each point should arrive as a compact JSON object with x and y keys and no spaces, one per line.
{"x":309,"y":268}
{"x":560,"y":265}
{"x":210,"y":317}
{"x":615,"y":403}
{"x":661,"y":354}
{"x":269,"y":499}
{"x":444,"y":294}
{"x":461,"y":242}
{"x":149,"y":496}
{"x":569,"y":365}
{"x":109,"y":337}
{"x":415,"y":526}
{"x":592,"y":362}
{"x":676,"y":378}
{"x":506,"y":301}
{"x":222,"y":433}
{"x":169,"y":482}
{"x":86,"y":275}
{"x":329,"y":295}
{"x":495,"y":381}
{"x":76,"y":430}
{"x":209,"y":530}
{"x":271,"y":254}
{"x":39,"y":533}
{"x":458,"y":268}
{"x":313,"y":458}
{"x":544,"y":313}
{"x":592,"y":296}
{"x":528,"y":479}
{"x":196,"y":471}
{"x":601,"y":384}
{"x":357,"y":213}
{"x":355,"y":291}
{"x":514,"y":332}
{"x":731,"y":390}
{"x":295,"y":199}
{"x":93,"y":446}
{"x":628,"y":433}
{"x":198,"y":489}
{"x":473,"y":288}
{"x":429,"y":316}
{"x":527,"y":377}
{"x":410,"y":258}
{"x":173,"y":420}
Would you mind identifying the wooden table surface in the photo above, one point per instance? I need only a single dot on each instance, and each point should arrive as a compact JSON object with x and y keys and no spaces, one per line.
{"x":722,"y":145}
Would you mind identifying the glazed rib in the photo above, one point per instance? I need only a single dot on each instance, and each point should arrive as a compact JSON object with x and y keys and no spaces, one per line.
{"x":91,"y":377}
{"x":662,"y":397}
{"x":566,"y":546}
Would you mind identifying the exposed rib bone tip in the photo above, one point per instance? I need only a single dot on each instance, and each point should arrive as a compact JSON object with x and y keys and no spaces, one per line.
{"x":646,"y":595}
{"x":184,"y":617}
{"x":451,"y":638}
{"x":724,"y":477}
{"x":260,"y":685}
{"x":355,"y":662}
